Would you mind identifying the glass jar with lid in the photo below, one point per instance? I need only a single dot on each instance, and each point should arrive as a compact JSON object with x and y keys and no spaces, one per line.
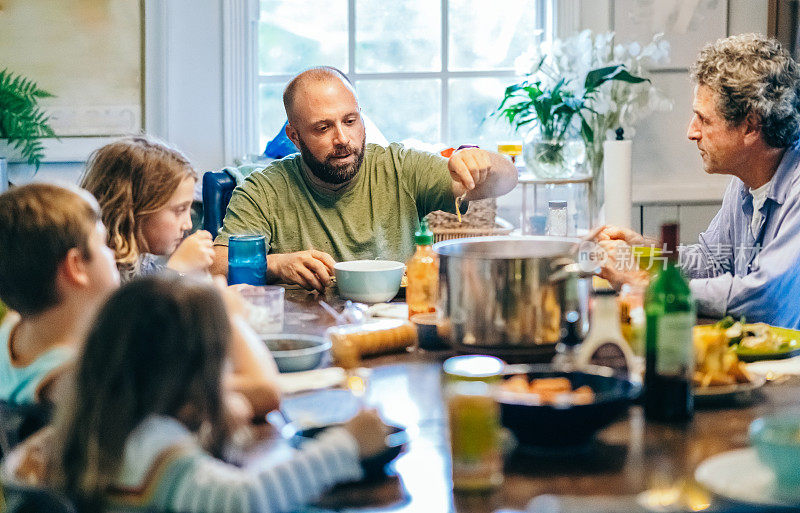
{"x":557,"y":218}
{"x":474,"y":422}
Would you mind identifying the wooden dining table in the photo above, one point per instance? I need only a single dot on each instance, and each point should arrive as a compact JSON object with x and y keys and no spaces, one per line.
{"x":627,"y":458}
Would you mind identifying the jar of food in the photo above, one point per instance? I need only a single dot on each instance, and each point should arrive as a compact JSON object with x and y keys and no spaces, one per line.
{"x":474,"y":422}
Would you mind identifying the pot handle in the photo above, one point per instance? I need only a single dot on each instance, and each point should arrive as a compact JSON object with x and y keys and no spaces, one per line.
{"x":569,"y":269}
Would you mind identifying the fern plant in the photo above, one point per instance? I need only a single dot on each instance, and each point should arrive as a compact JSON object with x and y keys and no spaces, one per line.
{"x":22,"y":121}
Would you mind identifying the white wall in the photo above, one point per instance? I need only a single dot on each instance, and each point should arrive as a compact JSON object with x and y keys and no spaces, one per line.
{"x":183,"y":77}
{"x":183,"y":90}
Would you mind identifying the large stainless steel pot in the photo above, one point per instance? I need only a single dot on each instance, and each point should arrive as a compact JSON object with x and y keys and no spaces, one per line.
{"x":507,"y":295}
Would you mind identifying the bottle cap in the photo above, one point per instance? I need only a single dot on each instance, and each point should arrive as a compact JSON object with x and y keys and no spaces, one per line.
{"x":473,"y":367}
{"x":604,"y":292}
{"x":423,"y":236}
{"x":571,"y":330}
{"x":557,"y":204}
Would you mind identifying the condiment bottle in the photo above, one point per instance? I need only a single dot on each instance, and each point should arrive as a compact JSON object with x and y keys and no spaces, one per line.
{"x":571,"y":340}
{"x":422,"y":271}
{"x":605,"y":345}
{"x":670,"y":315}
{"x":631,"y":316}
{"x":557,"y":218}
{"x":474,"y":422}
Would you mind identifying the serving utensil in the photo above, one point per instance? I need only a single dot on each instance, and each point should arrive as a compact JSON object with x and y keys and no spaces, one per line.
{"x":339,"y":318}
{"x":281,"y":422}
{"x":353,"y":313}
{"x":459,"y":200}
{"x":348,"y":357}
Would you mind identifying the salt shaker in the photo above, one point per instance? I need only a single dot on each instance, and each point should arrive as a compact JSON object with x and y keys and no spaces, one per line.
{"x":557,"y":218}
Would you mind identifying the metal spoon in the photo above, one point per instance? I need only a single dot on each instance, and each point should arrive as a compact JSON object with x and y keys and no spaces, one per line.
{"x":339,"y":318}
{"x":282,"y":423}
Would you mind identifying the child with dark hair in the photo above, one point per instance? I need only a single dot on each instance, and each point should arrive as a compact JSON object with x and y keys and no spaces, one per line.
{"x":147,"y":422}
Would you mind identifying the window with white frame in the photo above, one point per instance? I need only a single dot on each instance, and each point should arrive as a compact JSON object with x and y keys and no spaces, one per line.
{"x":430,"y":70}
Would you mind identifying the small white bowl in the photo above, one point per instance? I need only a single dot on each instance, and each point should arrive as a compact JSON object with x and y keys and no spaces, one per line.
{"x":369,"y":281}
{"x":293,"y":352}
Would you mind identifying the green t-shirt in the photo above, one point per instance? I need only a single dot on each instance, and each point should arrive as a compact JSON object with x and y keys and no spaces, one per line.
{"x":374,"y":217}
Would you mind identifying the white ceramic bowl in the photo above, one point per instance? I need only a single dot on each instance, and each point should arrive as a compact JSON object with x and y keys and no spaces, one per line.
{"x":369,"y":281}
{"x":776,"y":438}
{"x":293,"y":352}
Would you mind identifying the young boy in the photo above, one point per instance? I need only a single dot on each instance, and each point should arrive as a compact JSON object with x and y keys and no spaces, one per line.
{"x":55,"y":272}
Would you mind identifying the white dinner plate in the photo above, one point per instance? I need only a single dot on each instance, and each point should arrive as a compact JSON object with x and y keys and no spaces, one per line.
{"x":725,"y":392}
{"x":740,"y":476}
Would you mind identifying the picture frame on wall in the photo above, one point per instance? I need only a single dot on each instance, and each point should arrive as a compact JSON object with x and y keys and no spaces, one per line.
{"x":687,"y":24}
{"x":88,"y":54}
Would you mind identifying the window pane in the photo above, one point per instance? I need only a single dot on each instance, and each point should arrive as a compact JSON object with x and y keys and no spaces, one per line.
{"x":296,"y":34}
{"x":490,"y":35}
{"x":271,"y":115}
{"x":398,"y":36}
{"x":403,"y":108}
{"x":471,"y":101}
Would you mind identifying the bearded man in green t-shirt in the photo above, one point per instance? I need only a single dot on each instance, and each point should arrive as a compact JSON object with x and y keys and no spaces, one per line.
{"x":341,"y":198}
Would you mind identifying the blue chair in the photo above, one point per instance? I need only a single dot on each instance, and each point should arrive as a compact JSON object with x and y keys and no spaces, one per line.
{"x":217,"y":189}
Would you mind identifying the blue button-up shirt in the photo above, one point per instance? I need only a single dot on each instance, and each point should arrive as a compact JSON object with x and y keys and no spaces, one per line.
{"x":735,"y":271}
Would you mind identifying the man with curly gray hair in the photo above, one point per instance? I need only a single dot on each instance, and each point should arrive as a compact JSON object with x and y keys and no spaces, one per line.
{"x":746,"y":124}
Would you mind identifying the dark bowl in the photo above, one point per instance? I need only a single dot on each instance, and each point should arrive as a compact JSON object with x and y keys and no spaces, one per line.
{"x":375,"y":466}
{"x":566,"y":425}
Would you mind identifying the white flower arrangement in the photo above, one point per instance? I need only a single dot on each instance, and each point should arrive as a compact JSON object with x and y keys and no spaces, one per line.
{"x":616,"y":104}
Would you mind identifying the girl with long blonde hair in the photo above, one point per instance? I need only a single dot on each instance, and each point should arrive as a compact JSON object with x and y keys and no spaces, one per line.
{"x":145,"y":189}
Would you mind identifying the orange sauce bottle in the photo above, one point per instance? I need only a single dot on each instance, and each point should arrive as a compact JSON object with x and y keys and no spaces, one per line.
{"x":422,"y":271}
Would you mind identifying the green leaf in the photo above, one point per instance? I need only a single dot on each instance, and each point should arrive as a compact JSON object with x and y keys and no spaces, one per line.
{"x":625,"y":76}
{"x":22,"y":121}
{"x":586,"y":130}
{"x":552,"y":108}
{"x":597,"y":77}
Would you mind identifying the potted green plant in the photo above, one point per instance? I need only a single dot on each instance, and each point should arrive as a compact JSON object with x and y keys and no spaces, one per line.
{"x":583,"y":63}
{"x":548,"y":151}
{"x":553,"y":147}
{"x":23,"y":122}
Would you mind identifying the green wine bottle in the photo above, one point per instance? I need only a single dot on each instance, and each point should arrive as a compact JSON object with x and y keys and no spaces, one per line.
{"x":670,"y":312}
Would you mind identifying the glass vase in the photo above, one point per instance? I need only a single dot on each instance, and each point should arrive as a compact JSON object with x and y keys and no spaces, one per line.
{"x":552,"y":158}
{"x":594,"y":165}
